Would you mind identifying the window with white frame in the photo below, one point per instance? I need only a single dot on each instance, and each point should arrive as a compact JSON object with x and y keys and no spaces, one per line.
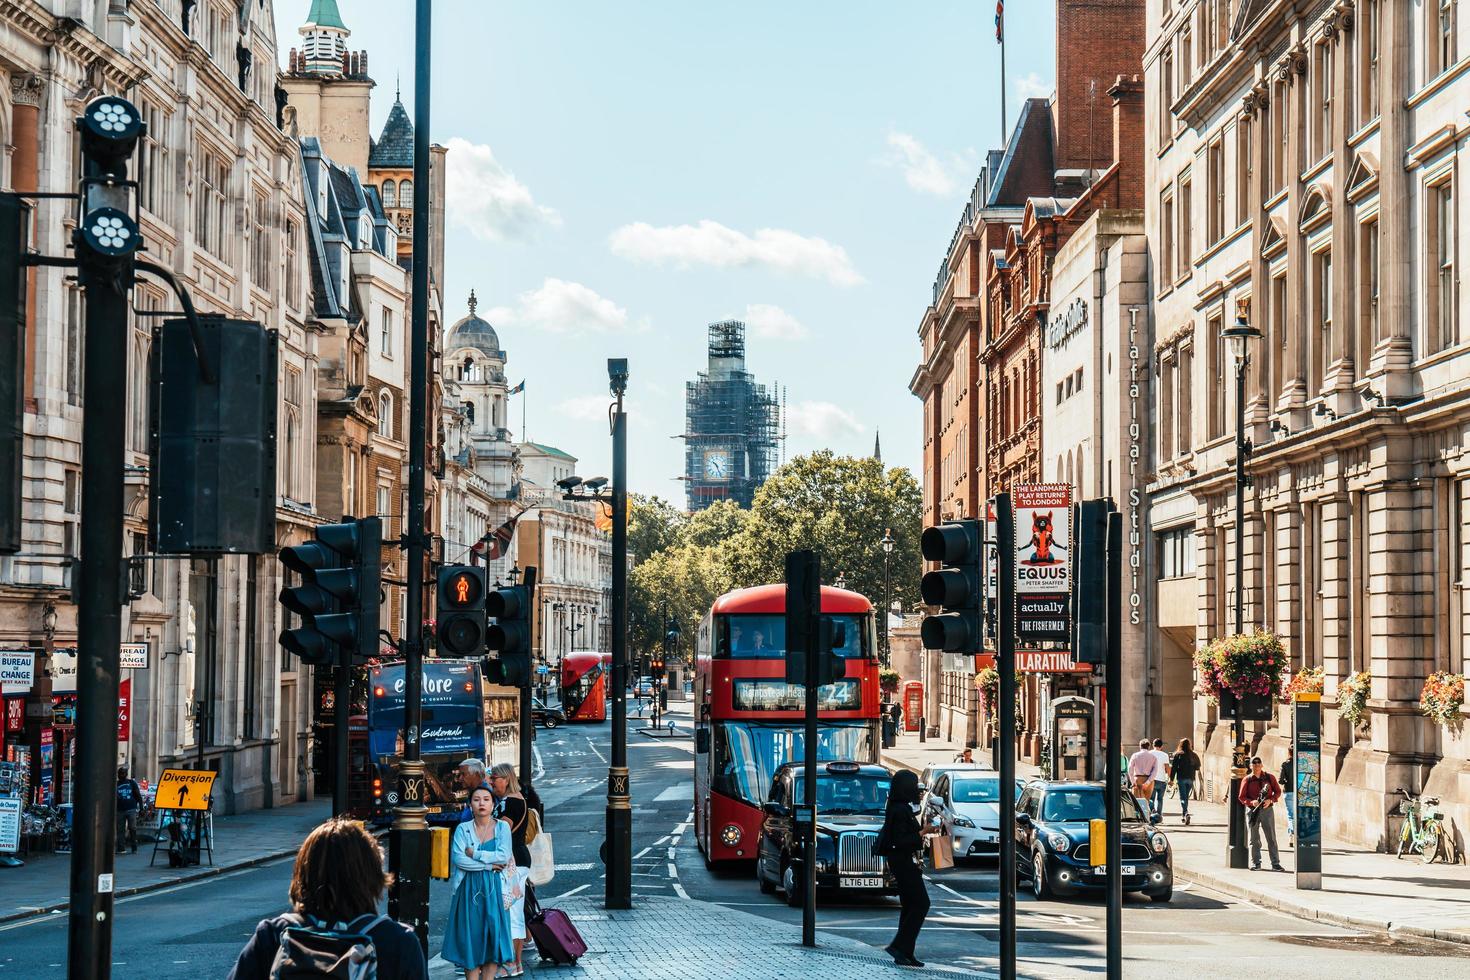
{"x":211,"y":202}
{"x":1321,"y":344}
{"x":293,"y":273}
{"x":260,"y":241}
{"x":158,"y":180}
{"x":1244,"y":168}
{"x":385,"y":415}
{"x":1321,"y":118}
{"x":1441,"y":322}
{"x":1186,"y":218}
{"x":1166,"y":238}
{"x":1216,"y":190}
{"x":390,"y":194}
{"x":385,"y":333}
{"x":405,"y":194}
{"x":1368,"y":278}
{"x":1368,"y":39}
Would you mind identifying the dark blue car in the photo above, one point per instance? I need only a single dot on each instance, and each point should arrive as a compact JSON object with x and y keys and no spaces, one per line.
{"x":1053,"y":850}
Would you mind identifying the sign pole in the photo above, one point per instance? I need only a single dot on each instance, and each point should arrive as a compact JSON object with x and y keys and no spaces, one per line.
{"x":1113,"y":789}
{"x":1005,"y":663}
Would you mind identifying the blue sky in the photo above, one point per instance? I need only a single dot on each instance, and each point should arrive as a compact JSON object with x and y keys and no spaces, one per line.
{"x":622,"y":174}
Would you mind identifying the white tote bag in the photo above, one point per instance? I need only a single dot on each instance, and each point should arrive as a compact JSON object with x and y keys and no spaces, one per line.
{"x":543,"y":862}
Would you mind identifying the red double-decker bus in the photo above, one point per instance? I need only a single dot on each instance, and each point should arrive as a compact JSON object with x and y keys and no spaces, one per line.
{"x":585,"y":676}
{"x":749,"y":721}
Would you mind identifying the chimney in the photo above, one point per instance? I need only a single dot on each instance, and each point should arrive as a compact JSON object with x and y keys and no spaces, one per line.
{"x":1127,"y":94}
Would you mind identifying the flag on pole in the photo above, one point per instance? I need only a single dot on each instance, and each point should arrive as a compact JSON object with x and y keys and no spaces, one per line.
{"x":1000,"y":20}
{"x":498,"y":540}
{"x":518,"y":389}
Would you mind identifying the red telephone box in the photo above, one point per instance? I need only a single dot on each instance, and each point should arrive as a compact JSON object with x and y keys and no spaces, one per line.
{"x":913,"y":704}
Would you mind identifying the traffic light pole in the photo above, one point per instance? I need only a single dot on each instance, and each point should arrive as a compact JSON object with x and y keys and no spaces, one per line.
{"x":341,"y":719}
{"x":1005,"y":663}
{"x":618,"y":892}
{"x":528,"y":724}
{"x":408,"y":902}
{"x":99,"y":622}
{"x":1113,"y":787}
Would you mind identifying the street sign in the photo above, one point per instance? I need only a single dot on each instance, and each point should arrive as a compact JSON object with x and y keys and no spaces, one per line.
{"x":124,"y":710}
{"x":184,"y":789}
{"x":1043,"y":538}
{"x":63,"y":670}
{"x":1042,"y":617}
{"x":1049,"y":662}
{"x":17,"y":671}
{"x":10,"y":825}
{"x":134,"y":656}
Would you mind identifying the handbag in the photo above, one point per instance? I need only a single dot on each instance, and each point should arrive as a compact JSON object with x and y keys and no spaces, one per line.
{"x":533,"y":824}
{"x":511,"y":890}
{"x":543,"y":862}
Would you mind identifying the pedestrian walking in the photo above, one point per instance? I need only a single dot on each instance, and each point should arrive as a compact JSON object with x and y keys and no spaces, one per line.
{"x":335,"y":889}
{"x":1143,"y":772}
{"x":471,"y":774}
{"x":478,"y":936}
{"x":129,"y":802}
{"x":902,"y":839}
{"x":1259,"y":793}
{"x":1161,"y":782}
{"x":1185,"y":765}
{"x":1287,"y":780}
{"x":511,"y":806}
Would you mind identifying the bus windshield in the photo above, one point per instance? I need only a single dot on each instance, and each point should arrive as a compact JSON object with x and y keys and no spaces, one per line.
{"x":754,"y":635}
{"x":748,"y":753}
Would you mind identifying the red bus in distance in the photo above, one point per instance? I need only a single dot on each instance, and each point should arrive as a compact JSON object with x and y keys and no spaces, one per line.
{"x":748,"y":720}
{"x":585,"y":676}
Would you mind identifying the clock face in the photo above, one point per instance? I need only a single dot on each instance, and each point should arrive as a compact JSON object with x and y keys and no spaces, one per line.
{"x":717,"y":465}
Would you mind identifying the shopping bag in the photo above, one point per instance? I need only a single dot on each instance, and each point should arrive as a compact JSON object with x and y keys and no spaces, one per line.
{"x":941,"y":852}
{"x":543,"y":862}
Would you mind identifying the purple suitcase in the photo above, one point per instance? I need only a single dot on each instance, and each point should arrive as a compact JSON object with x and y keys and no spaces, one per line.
{"x":557,"y":940}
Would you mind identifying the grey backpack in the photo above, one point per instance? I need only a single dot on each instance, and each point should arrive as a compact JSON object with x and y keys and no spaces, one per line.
{"x":315,"y":949}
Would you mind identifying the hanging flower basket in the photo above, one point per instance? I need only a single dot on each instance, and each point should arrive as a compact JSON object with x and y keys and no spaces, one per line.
{"x":988,"y":683}
{"x":1352,"y":698}
{"x":888,"y":681}
{"x":1442,"y":697}
{"x":1308,"y":680}
{"x":1242,"y":668}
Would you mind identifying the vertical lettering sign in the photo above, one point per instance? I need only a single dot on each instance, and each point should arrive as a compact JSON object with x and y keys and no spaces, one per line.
{"x":1043,"y":560}
{"x":1307,"y":777}
{"x":992,"y":573}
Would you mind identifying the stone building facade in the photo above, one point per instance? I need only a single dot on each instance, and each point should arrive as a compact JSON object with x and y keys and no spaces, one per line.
{"x":1304,"y":163}
{"x":221,"y":205}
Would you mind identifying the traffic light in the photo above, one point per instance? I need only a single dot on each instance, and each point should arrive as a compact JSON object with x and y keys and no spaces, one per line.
{"x":510,"y":634}
{"x":1090,"y":567}
{"x":339,"y":594}
{"x":460,"y":617}
{"x":956,"y":587}
{"x":806,"y":628}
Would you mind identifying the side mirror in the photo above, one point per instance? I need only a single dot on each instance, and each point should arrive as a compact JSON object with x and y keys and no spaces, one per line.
{"x":774,"y":809}
{"x":1024,"y":819}
{"x":701,"y":741}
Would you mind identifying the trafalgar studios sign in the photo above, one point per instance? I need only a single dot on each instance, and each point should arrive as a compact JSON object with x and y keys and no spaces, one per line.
{"x":1043,"y":560}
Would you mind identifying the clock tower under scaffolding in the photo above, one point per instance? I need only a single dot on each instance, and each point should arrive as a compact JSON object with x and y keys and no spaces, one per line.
{"x":733,"y":425}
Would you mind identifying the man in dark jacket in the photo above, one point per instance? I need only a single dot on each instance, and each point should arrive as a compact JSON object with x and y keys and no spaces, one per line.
{"x":1259,"y":792}
{"x":129,"y":802}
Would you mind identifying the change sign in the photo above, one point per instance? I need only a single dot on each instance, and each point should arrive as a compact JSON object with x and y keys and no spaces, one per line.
{"x":17,"y":671}
{"x":1043,"y":560}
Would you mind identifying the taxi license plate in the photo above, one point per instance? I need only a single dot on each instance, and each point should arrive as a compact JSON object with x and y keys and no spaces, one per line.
{"x":862,"y":882}
{"x":1128,"y":869}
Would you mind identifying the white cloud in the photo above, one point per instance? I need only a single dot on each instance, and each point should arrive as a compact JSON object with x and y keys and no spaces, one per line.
{"x":486,"y":199}
{"x":711,"y":243}
{"x":1033,"y":86}
{"x":773,"y":323}
{"x":822,"y":420}
{"x":585,"y":408}
{"x":558,"y":306}
{"x":922,"y":170}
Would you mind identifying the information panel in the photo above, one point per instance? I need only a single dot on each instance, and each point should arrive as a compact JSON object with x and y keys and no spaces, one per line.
{"x":1307,"y":739}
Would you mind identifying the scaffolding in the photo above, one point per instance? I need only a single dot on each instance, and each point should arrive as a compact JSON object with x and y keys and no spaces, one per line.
{"x":733,"y":426}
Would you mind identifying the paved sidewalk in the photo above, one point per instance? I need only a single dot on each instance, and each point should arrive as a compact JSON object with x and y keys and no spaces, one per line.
{"x":241,"y":840}
{"x":1360,"y":889}
{"x":683,"y":939}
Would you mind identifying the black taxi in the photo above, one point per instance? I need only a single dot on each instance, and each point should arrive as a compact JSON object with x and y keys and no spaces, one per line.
{"x":850,"y":802}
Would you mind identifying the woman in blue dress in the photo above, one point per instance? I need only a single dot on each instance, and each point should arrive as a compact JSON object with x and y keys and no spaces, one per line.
{"x":478,"y":937}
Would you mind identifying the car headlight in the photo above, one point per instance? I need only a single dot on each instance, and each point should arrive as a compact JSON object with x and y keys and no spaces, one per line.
{"x":731,"y":834}
{"x":1060,"y":843}
{"x":1160,"y":843}
{"x":964,"y":822}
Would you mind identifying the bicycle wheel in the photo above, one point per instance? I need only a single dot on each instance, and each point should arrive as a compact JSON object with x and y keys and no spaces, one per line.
{"x":1429,"y":843}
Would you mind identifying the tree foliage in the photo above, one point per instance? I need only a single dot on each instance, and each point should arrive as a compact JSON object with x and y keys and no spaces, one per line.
{"x":837,"y":505}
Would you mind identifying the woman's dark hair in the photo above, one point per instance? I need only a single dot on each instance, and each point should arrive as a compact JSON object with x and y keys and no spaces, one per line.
{"x":1184,"y":746}
{"x":482,"y":788}
{"x":905,"y":787}
{"x":339,"y":872}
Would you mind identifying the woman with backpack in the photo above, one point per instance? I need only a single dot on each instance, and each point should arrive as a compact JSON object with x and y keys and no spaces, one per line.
{"x":511,"y":806}
{"x":1185,"y":766}
{"x":335,"y":890}
{"x":478,"y":936}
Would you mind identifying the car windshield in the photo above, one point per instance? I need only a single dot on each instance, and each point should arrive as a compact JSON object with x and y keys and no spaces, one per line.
{"x":748,"y":753}
{"x":1082,"y":804}
{"x":976,"y":791}
{"x":844,"y":794}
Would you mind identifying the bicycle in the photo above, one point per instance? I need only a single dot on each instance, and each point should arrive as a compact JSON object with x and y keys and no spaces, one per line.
{"x":1424,"y":831}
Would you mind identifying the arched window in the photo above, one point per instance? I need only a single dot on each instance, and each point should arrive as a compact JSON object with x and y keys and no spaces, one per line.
{"x":385,"y":414}
{"x":467,"y":371}
{"x":390,"y":194}
{"x":405,"y":194}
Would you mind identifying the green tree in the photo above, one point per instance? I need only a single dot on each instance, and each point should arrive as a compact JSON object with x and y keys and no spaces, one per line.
{"x":678,"y":584}
{"x":654,"y":525}
{"x":838,"y":506}
{"x":721,"y":521}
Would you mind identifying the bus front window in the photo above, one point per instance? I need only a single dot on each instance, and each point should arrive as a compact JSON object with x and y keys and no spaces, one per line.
{"x":755,"y":635}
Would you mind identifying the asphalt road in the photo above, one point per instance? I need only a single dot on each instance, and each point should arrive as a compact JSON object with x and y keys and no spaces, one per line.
{"x":196,"y":929}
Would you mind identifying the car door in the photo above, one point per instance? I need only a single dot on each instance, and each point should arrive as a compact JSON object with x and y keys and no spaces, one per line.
{"x":769,"y":851}
{"x":944,"y":805}
{"x":1029,"y":804}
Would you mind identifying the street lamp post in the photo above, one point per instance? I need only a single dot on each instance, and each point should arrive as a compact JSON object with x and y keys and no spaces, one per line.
{"x":1238,"y":336}
{"x":888,"y":542}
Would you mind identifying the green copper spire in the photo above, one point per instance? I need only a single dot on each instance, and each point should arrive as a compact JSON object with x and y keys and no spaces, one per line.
{"x":324,"y":14}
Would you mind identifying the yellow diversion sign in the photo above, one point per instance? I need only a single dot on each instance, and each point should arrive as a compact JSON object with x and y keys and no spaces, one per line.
{"x":184,"y":789}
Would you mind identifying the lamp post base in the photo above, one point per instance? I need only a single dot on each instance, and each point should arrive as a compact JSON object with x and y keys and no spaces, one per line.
{"x":408,"y":854}
{"x":619,"y":857}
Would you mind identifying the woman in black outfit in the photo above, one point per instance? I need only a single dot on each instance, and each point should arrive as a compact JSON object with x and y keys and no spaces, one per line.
{"x":904,"y":840}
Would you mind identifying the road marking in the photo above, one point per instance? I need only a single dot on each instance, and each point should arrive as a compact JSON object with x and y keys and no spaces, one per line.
{"x":678,"y":791}
{"x":662,"y":840}
{"x":679,"y":890}
{"x":539,"y":769}
{"x":570,"y":893}
{"x":673,"y":870}
{"x":591,"y":745}
{"x":641,"y":853}
{"x":584,"y":866}
{"x":671,"y":853}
